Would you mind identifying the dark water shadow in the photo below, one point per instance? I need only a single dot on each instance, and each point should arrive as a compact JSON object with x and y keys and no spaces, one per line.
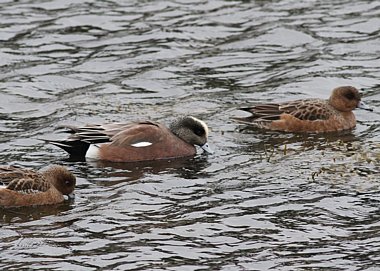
{"x":9,"y":215}
{"x":318,"y":141}
{"x":115,"y":172}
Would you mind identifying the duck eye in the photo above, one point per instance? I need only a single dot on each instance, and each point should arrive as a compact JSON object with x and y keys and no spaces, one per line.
{"x":199,"y":131}
{"x":349,"y":95}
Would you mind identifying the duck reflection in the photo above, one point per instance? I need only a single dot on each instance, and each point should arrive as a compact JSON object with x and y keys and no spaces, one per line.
{"x":29,"y":213}
{"x":265,"y":139}
{"x":110,"y":173}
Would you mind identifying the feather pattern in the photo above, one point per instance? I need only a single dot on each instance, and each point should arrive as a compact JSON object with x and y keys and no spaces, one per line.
{"x":78,"y":143}
{"x":308,"y":115}
{"x":264,"y":115}
{"x":24,"y":181}
{"x":310,"y":109}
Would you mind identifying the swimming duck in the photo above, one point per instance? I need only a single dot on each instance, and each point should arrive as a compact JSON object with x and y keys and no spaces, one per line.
{"x":136,"y":141}
{"x":25,"y":187}
{"x":308,"y":115}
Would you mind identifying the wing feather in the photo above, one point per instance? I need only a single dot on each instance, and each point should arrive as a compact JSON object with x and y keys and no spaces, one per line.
{"x":23,"y":180}
{"x":78,"y":143}
{"x":310,"y":109}
{"x":145,"y":132}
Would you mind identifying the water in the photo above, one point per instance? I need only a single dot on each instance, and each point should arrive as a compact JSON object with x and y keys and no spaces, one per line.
{"x":263,"y":201}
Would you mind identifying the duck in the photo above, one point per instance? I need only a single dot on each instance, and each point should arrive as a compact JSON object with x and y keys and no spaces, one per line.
{"x":136,"y":141}
{"x":27,"y":187}
{"x":308,"y":115}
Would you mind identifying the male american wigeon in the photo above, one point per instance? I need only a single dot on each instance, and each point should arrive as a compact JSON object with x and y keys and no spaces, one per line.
{"x":309,"y":115}
{"x":136,"y":141}
{"x":26,"y":187}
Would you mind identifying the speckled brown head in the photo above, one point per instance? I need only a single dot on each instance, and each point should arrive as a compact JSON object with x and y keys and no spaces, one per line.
{"x":345,"y":98}
{"x":62,"y":179}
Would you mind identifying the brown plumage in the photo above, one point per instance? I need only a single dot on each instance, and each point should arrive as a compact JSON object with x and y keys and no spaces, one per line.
{"x":136,"y":141}
{"x":25,"y":187}
{"x":309,"y":115}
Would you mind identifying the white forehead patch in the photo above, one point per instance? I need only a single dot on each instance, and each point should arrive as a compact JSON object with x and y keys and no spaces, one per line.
{"x":141,"y":144}
{"x":204,"y":125}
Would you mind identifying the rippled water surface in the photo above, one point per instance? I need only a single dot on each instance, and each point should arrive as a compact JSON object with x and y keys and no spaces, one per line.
{"x":263,"y":201}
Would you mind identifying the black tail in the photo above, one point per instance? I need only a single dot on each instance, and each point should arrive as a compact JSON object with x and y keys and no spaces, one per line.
{"x":75,"y":148}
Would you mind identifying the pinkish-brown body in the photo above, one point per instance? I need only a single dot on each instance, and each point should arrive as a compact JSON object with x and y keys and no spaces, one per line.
{"x":164,"y":145}
{"x":136,"y":141}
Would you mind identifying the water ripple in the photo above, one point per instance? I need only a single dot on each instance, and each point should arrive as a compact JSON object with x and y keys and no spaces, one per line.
{"x":263,"y":201}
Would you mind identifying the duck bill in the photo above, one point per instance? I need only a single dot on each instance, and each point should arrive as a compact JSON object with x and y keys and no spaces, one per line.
{"x":71,"y":196}
{"x":364,"y":106}
{"x":207,"y":148}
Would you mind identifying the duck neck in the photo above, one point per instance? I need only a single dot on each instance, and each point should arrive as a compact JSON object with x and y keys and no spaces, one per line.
{"x":176,"y":129}
{"x":338,"y":105}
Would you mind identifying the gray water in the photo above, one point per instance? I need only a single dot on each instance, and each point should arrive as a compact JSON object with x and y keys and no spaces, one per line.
{"x":263,"y":201}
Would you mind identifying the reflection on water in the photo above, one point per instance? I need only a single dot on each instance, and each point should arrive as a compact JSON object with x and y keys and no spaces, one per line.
{"x":22,"y":214}
{"x":187,"y":168}
{"x":263,"y":201}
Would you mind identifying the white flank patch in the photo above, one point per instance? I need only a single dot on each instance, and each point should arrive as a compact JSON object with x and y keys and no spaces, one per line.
{"x":141,"y":144}
{"x":93,"y":151}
